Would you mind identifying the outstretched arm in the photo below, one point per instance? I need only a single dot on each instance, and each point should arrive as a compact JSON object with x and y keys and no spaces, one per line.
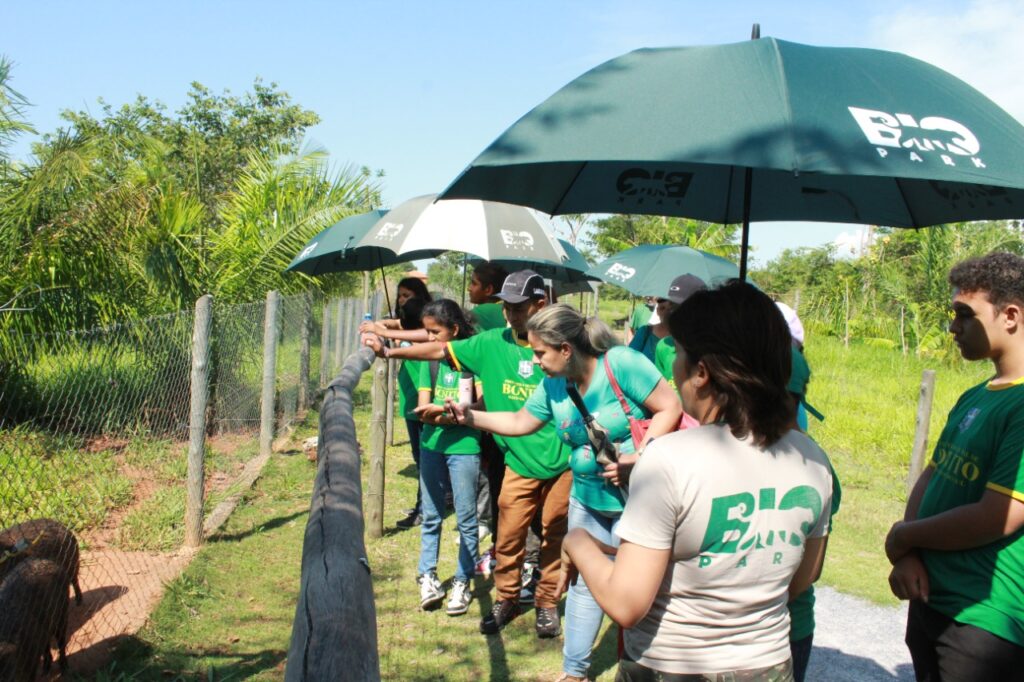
{"x":519,"y":423}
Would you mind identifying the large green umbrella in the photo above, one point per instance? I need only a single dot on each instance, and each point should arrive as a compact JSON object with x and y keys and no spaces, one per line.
{"x":761,"y":130}
{"x":648,"y":270}
{"x":337,"y":249}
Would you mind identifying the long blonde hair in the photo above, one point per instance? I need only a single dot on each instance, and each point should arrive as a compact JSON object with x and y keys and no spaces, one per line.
{"x":559,"y":323}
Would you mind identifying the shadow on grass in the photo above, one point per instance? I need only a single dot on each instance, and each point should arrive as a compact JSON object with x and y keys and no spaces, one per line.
{"x":495,"y":644}
{"x":136,"y":662}
{"x":261,"y":528}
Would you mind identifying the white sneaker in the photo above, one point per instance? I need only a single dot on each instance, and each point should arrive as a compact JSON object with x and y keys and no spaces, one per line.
{"x":461,"y":597}
{"x":431,"y":592}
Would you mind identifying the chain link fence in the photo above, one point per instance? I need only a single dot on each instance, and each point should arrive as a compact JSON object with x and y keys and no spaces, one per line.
{"x":94,"y":429}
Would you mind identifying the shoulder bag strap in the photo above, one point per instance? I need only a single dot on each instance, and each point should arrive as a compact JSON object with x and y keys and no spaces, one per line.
{"x":615,"y":387}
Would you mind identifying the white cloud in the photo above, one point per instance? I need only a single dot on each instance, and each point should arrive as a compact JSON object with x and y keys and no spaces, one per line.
{"x":854,"y":244}
{"x":978,"y":42}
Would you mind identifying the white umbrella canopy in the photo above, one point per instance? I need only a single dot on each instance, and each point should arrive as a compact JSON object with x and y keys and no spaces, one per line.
{"x":487,"y":229}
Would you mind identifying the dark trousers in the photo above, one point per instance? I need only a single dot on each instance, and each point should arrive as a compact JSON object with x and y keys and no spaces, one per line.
{"x":492,"y":469}
{"x":415,"y":428}
{"x":800,"y":651}
{"x":944,"y":650}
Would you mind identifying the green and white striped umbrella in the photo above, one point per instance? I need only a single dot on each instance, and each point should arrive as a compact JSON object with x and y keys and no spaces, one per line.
{"x":487,"y":229}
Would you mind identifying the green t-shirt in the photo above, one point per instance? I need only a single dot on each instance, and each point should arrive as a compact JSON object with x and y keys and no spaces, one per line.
{"x":637,"y":377}
{"x":641,"y":316}
{"x":448,"y":440}
{"x":664,"y":357}
{"x":980,"y":449}
{"x":505,"y":368}
{"x":801,"y":609}
{"x":489,"y":316}
{"x":408,"y":386}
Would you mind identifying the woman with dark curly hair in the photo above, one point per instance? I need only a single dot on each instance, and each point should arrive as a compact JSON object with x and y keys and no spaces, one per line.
{"x":724,"y":522}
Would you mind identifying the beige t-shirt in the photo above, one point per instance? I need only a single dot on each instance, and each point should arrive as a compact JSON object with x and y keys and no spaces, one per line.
{"x":735,"y":517}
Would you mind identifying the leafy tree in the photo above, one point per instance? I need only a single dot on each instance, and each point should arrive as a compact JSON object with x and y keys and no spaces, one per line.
{"x":12,"y":111}
{"x":620,"y":232}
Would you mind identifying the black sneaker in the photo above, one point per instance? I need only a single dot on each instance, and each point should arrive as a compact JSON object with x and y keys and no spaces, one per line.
{"x":412,"y":519}
{"x":502,"y":613}
{"x":548,"y":623}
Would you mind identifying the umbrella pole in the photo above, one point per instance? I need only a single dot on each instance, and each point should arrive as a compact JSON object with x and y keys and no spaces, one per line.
{"x":745,"y":240}
{"x":387,"y":297}
{"x":464,"y":256}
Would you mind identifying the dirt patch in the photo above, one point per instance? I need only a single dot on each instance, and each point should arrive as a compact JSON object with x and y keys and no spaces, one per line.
{"x":119,"y":589}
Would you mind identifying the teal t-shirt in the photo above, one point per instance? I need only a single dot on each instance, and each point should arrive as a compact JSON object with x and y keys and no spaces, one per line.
{"x":637,"y":377}
{"x":408,"y":386}
{"x":509,"y":376}
{"x":801,"y":609}
{"x":448,"y":440}
{"x":489,"y":316}
{"x":665,"y":357}
{"x":645,"y":341}
{"x":980,"y":449}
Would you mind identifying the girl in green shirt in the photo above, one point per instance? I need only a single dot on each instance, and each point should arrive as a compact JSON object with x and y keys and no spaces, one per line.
{"x":447,"y":452}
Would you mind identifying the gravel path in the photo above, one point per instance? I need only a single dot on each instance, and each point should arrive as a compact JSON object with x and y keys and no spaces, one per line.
{"x":856,"y":641}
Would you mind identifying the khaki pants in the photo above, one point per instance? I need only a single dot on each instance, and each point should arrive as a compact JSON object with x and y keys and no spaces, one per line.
{"x":519,"y":500}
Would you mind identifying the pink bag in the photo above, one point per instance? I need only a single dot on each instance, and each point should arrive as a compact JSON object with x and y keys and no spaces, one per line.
{"x":638,"y":427}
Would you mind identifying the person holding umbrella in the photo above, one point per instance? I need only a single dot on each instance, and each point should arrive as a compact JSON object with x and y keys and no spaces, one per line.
{"x":536,"y":466}
{"x":702,"y":574}
{"x":958,"y":555}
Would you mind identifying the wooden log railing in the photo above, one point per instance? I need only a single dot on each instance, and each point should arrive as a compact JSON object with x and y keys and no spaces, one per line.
{"x":334,"y":635}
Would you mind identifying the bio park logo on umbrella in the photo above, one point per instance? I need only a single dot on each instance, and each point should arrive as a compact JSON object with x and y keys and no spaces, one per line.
{"x":932,"y":135}
{"x":517,"y":240}
{"x":637,"y":185}
{"x":388,"y":231}
{"x":308,"y":250}
{"x":620,"y":272}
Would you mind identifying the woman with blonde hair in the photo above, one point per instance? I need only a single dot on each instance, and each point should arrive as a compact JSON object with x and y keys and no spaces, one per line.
{"x":614,"y":384}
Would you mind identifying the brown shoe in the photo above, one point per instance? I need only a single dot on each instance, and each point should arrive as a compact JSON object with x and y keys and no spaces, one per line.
{"x":502,"y":613}
{"x":548,"y":623}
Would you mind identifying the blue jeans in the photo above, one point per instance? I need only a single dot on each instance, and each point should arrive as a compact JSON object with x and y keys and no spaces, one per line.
{"x":462,"y":470}
{"x":582,"y":614}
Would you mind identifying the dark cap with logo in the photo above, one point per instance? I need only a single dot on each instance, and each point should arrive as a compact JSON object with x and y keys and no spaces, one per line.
{"x":522,"y":286}
{"x":683,"y":287}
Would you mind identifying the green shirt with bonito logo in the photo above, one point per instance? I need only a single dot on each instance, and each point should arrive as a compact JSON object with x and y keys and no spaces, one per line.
{"x":505,"y":368}
{"x":447,"y":440}
{"x":980,"y":449}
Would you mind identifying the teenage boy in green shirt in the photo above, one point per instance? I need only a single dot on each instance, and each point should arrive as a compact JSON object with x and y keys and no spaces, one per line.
{"x":537,"y":472}
{"x":958,"y":555}
{"x":484,"y":285}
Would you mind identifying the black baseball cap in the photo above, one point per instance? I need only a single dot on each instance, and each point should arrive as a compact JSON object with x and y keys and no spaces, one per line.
{"x":683,"y":287}
{"x":522,"y":286}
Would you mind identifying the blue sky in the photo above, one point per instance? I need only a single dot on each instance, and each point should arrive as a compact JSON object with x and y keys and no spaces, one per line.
{"x":418,"y":89}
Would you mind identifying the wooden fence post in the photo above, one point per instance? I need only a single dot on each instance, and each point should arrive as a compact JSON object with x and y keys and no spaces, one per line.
{"x":197,"y":422}
{"x":339,"y":343}
{"x":307,"y":314}
{"x":325,"y":346}
{"x":924,"y":414}
{"x":378,"y":441}
{"x":392,"y":388}
{"x":269,"y":372}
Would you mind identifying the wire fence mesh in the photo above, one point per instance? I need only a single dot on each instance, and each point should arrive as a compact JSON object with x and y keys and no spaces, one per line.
{"x":94,"y":430}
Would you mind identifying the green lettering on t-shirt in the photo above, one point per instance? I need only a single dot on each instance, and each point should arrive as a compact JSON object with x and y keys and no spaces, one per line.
{"x":726,"y":525}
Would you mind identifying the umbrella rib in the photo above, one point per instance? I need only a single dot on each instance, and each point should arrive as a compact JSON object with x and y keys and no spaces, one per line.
{"x":910,"y":210}
{"x":786,"y":102}
{"x":568,"y":187}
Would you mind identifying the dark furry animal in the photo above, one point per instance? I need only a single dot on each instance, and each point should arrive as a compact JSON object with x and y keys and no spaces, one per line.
{"x":45,"y":539}
{"x":33,"y":611}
